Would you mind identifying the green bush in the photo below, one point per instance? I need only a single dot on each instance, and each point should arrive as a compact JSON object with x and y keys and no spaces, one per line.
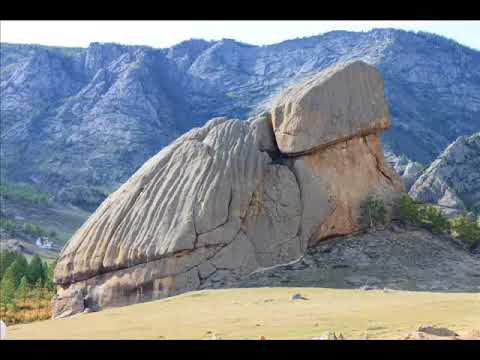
{"x":426,"y":216}
{"x":466,"y":229}
{"x":409,"y":210}
{"x":433,"y":219}
{"x":372,"y":213}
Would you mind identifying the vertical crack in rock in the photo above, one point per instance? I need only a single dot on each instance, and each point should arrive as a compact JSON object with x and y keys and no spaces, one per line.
{"x":379,"y":164}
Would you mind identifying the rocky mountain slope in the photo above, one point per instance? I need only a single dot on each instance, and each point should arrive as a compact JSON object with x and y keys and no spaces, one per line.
{"x":233,"y":196}
{"x":398,"y":257}
{"x":408,"y":170}
{"x":452,"y":181}
{"x":78,"y":122}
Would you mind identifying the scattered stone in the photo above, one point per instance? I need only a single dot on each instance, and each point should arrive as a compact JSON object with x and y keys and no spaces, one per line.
{"x":328,"y":336}
{"x":215,"y":337}
{"x":472,"y":334}
{"x":368,"y":287}
{"x":437,"y":331}
{"x":298,"y":296}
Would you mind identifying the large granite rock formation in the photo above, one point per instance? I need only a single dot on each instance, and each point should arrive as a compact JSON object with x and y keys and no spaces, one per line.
{"x":452,"y":182}
{"x":224,"y":200}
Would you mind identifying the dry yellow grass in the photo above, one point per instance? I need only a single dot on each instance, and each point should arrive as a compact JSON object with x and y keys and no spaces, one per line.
{"x":269,"y":312}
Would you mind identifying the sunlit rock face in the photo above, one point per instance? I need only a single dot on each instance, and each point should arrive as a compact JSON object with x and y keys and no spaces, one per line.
{"x":452,"y":181}
{"x":234,"y":196}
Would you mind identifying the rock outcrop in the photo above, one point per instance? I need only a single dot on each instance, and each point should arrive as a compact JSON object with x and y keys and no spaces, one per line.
{"x":408,"y":170}
{"x":452,"y":181}
{"x":224,"y":200}
{"x":344,"y":101}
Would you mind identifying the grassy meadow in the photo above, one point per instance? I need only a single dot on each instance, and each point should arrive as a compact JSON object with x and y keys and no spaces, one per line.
{"x":269,"y":312}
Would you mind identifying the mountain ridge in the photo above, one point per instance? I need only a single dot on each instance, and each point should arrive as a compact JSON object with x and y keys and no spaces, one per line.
{"x":91,"y":116}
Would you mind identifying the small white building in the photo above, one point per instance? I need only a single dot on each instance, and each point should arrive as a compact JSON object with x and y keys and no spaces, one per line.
{"x":44,"y":243}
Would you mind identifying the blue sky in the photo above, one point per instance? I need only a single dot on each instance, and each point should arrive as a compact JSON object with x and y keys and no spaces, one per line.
{"x":167,"y":33}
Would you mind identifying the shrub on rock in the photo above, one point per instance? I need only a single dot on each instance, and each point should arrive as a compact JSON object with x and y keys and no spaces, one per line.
{"x":466,"y":229}
{"x":373,"y":213}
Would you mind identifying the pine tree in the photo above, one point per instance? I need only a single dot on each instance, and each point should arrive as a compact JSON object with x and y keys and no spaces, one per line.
{"x":38,"y":295}
{"x":409,"y":210}
{"x":434,"y":219}
{"x":44,"y":273}
{"x":6,"y":259}
{"x":22,"y":290}
{"x":7,"y":286}
{"x":49,"y":278}
{"x":35,"y":270}
{"x":19,"y":266}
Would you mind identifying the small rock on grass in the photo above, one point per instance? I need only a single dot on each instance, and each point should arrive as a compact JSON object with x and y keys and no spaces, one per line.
{"x":297,"y":296}
{"x":327,"y":336}
{"x":437,"y":331}
{"x":368,"y":287}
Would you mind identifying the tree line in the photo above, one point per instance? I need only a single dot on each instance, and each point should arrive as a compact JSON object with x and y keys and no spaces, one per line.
{"x":412,"y":212}
{"x":26,"y":288}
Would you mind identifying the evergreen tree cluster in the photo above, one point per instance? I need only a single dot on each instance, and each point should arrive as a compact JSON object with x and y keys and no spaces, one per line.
{"x":19,"y":279}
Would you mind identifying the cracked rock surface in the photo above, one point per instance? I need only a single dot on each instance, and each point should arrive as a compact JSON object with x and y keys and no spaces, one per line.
{"x":224,"y":200}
